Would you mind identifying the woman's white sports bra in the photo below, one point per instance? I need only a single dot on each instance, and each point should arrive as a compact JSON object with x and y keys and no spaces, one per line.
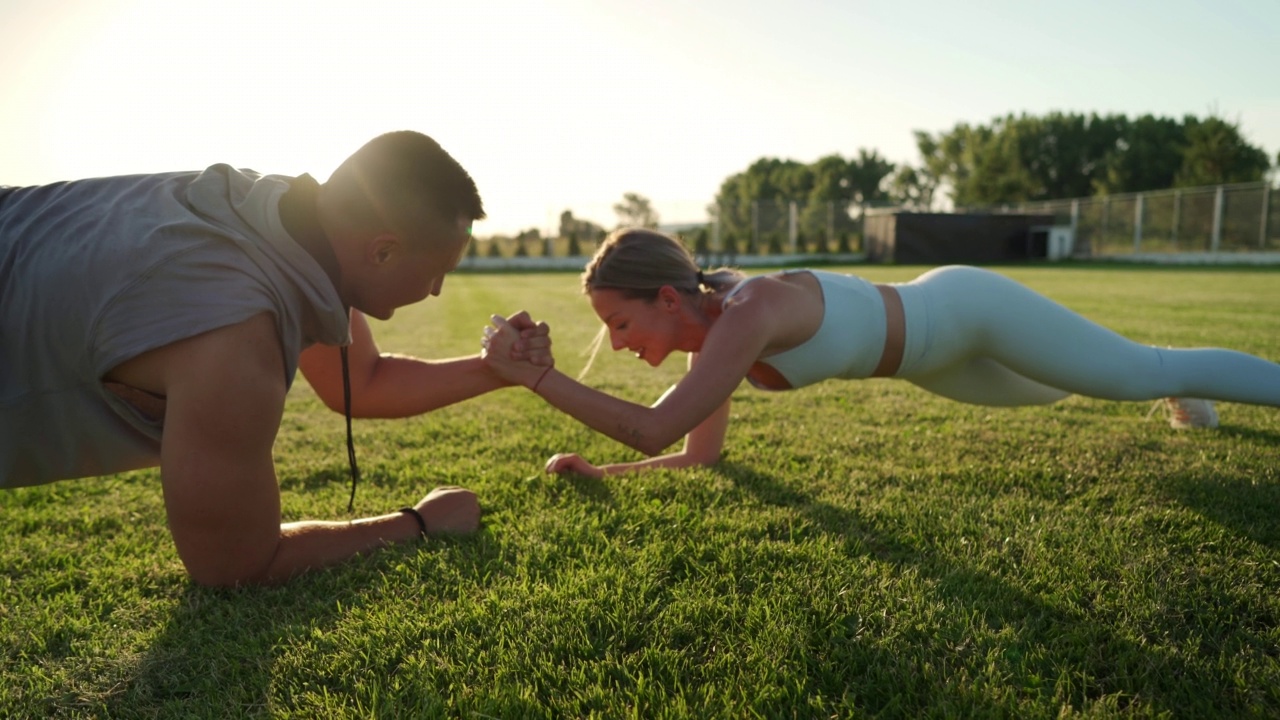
{"x":848,"y":343}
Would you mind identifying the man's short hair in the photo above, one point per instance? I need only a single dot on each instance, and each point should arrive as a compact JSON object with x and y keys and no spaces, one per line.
{"x":403,"y":181}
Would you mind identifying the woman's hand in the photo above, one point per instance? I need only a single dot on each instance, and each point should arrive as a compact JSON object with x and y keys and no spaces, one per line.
{"x":564,"y":463}
{"x":509,"y":355}
{"x":534,"y":343}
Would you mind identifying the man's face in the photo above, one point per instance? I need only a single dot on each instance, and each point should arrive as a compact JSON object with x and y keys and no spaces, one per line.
{"x":404,"y":273}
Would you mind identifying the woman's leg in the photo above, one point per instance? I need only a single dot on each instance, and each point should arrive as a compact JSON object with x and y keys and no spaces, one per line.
{"x":996,"y":342}
{"x":983,"y":381}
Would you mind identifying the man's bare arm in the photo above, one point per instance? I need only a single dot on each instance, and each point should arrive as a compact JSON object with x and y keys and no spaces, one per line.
{"x":225,"y":400}
{"x":389,"y":385}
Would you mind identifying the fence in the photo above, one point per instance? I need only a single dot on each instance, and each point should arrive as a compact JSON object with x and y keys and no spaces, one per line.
{"x":1225,"y":221}
{"x":759,"y":232}
{"x":783,"y":227}
{"x":1241,"y":218}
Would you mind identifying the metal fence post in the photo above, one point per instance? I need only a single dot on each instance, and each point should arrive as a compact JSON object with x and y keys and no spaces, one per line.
{"x":1106,"y":218}
{"x":1177,"y":214}
{"x":792,"y":231}
{"x":1075,"y":225}
{"x":831,"y":226}
{"x":1266,"y":214}
{"x":1137,"y":222}
{"x":755,"y":227}
{"x":1219,"y":201}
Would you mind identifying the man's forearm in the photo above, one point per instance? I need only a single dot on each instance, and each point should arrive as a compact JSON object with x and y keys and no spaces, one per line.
{"x":401,"y":386}
{"x":313,"y":544}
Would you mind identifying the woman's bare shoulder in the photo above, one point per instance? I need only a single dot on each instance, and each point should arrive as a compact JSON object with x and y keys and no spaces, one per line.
{"x":781,"y":306}
{"x":776,"y":302}
{"x":768,"y":290}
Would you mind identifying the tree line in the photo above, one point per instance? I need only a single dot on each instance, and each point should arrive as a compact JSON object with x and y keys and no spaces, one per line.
{"x":1011,"y":159}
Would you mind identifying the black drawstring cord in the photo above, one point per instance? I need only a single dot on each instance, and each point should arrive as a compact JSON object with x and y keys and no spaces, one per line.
{"x":351,"y":446}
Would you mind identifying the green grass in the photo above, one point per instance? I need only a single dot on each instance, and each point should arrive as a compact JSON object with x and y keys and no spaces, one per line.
{"x":865,"y":549}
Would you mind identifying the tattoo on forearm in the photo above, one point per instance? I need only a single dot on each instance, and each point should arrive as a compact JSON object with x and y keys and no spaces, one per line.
{"x":630,"y":432}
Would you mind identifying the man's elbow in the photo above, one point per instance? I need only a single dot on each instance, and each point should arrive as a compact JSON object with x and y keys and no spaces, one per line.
{"x":359,"y":409}
{"x":232,"y":572}
{"x":333,"y":397}
{"x":335,"y":404}
{"x":228,"y":580}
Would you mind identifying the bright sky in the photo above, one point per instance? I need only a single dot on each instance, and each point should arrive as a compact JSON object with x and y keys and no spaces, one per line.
{"x":568,"y":104}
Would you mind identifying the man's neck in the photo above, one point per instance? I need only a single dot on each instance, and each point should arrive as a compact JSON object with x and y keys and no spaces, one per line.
{"x":301,"y":218}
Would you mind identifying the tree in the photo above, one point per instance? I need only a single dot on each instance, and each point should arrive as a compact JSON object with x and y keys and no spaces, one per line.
{"x":748,"y":203}
{"x":1216,"y":153}
{"x":635,"y":210}
{"x":1021,"y":158}
{"x":568,"y":225}
{"x":729,"y":244}
{"x":526,"y":238}
{"x":999,"y":173}
{"x":1147,"y":157}
{"x":866,"y":182}
{"x":948,"y":158}
{"x":701,"y":242}
{"x":826,"y":212}
{"x":933,"y":164}
{"x":576,"y":230}
{"x":866,"y":177}
{"x":911,"y":188}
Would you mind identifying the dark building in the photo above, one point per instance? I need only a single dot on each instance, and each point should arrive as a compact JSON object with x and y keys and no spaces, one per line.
{"x":909,"y":238}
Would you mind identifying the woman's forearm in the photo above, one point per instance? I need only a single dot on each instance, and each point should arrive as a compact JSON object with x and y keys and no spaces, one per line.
{"x":670,"y":461}
{"x":634,"y":425}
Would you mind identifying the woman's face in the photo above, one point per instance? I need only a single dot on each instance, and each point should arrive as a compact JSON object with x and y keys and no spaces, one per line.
{"x":647,"y":328}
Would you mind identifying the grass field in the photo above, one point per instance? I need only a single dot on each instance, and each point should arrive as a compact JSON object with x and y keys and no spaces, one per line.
{"x":864,"y":549}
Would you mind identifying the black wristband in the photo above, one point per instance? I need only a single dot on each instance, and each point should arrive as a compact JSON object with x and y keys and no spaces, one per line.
{"x":422,"y":524}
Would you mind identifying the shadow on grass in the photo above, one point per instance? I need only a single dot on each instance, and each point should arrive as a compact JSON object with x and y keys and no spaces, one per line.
{"x":1055,"y":651}
{"x":1250,"y":434}
{"x":1245,"y":506}
{"x":218,"y":654}
{"x":593,"y":489}
{"x":214,"y":655}
{"x":330,"y":476}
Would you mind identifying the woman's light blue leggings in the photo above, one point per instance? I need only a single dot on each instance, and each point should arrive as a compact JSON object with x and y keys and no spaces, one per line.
{"x":978,"y":337}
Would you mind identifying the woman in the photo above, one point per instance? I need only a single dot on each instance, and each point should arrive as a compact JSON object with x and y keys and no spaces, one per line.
{"x":961,"y":332}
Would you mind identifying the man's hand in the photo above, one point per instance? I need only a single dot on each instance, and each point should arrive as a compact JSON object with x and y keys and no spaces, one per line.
{"x":499,"y":354}
{"x":534,"y":343}
{"x":450,"y":510}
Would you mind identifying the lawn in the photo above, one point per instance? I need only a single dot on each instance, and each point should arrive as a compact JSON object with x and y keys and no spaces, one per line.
{"x":864,"y":549}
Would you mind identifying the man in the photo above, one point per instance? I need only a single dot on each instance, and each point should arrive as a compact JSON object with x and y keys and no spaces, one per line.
{"x":160,"y":320}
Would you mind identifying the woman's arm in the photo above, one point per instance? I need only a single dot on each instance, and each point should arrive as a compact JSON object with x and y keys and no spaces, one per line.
{"x":697,"y":451}
{"x":702,"y":446}
{"x":738,"y":337}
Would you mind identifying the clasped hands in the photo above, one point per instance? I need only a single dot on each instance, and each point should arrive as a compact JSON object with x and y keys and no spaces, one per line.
{"x":516,"y":348}
{"x":519,"y":351}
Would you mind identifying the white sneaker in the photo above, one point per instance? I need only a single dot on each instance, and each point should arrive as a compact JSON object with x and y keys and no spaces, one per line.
{"x":1186,"y":413}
